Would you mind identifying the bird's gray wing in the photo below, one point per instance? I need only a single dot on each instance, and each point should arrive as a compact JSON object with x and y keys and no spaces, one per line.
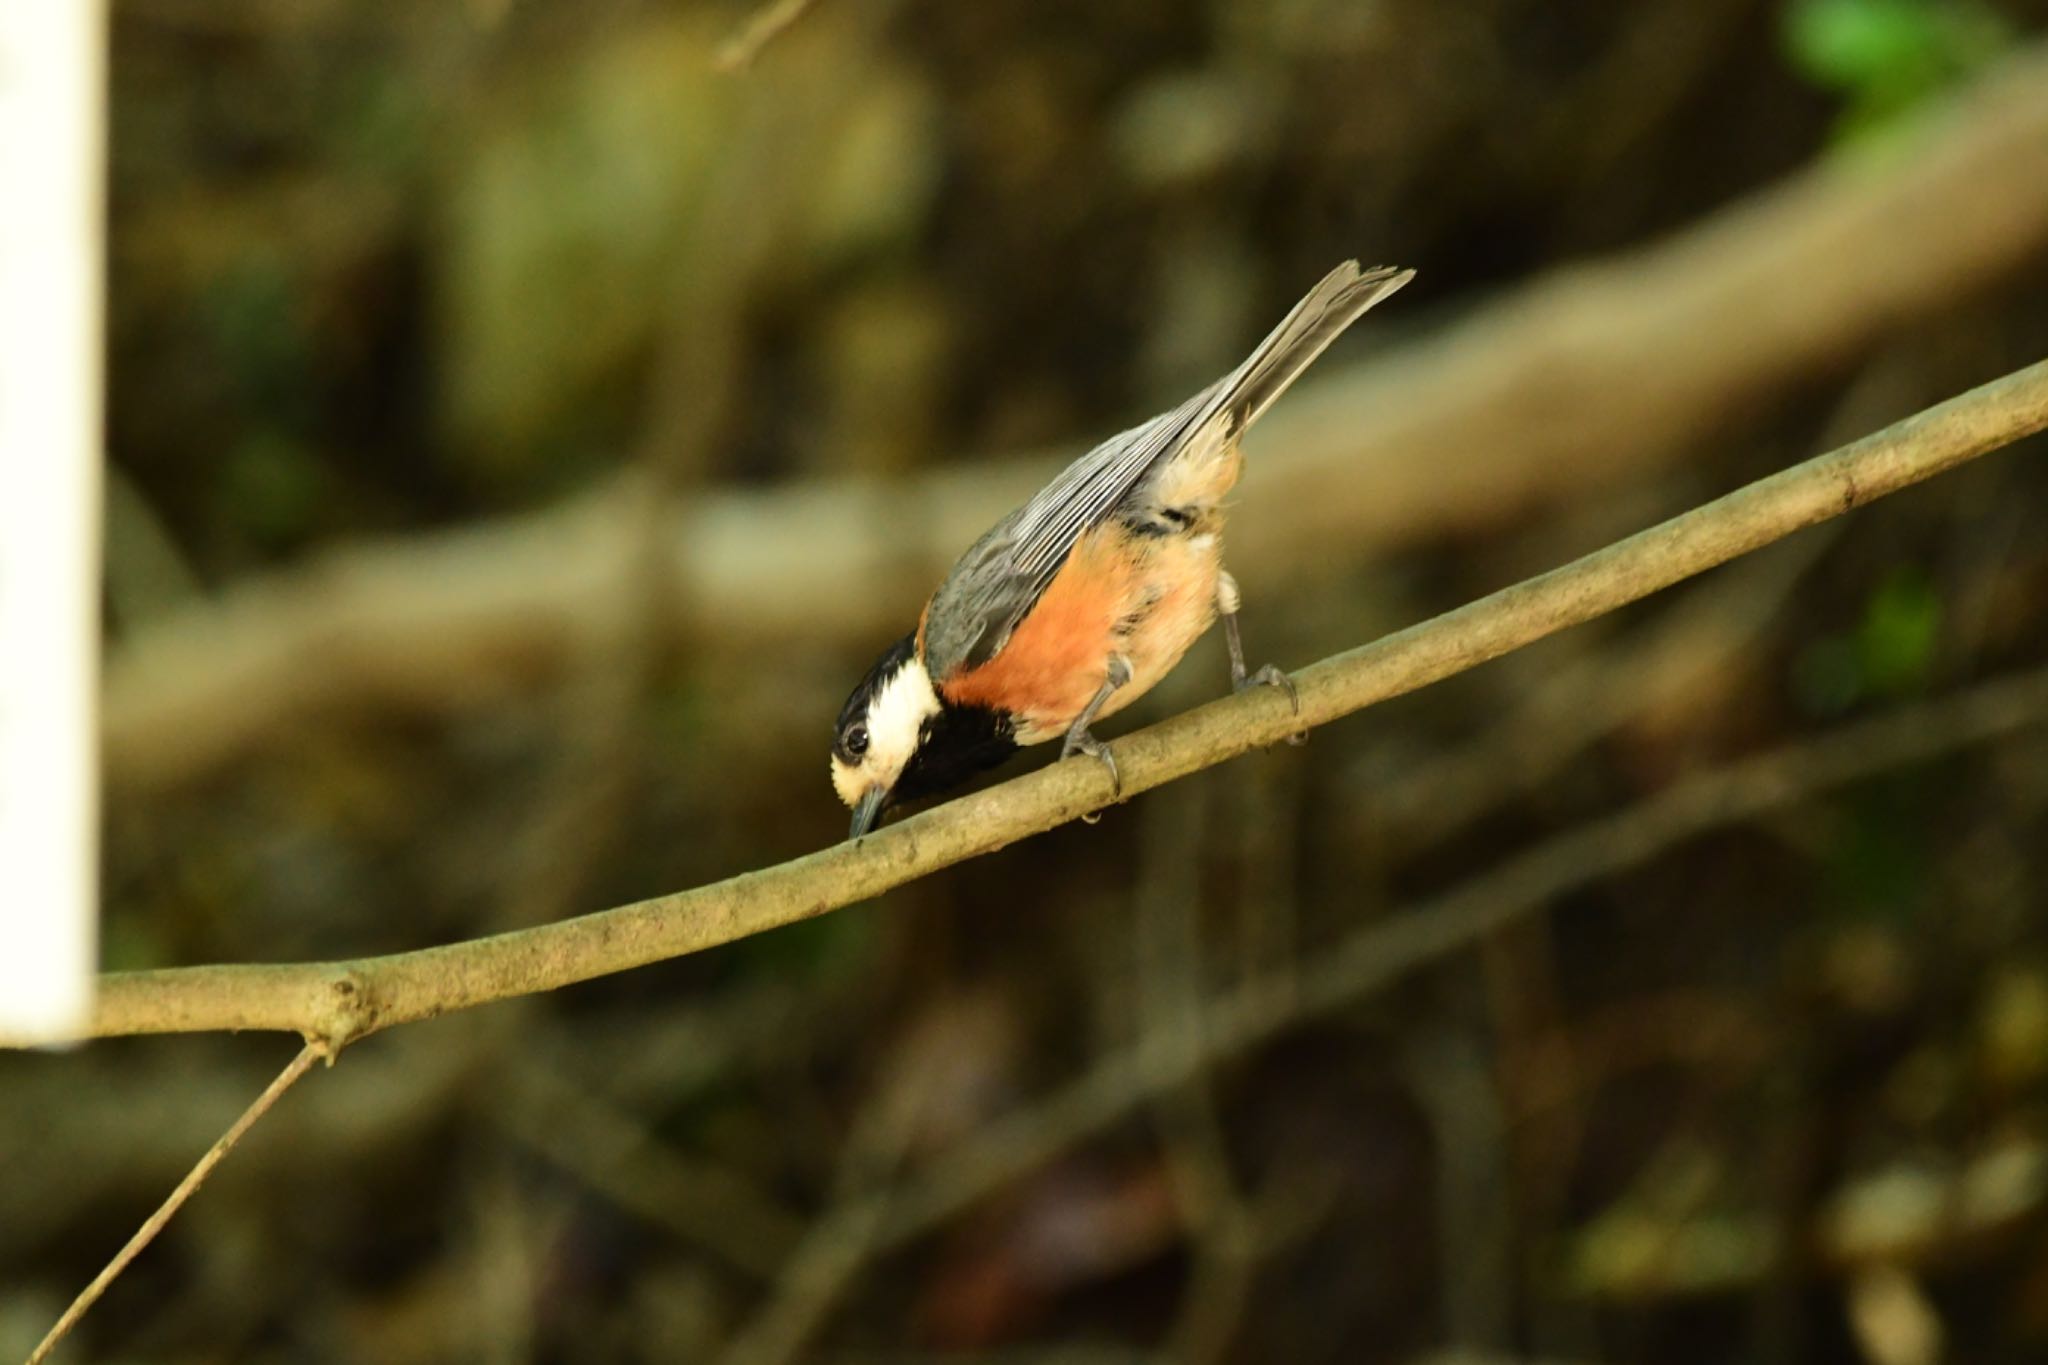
{"x":997,"y":582}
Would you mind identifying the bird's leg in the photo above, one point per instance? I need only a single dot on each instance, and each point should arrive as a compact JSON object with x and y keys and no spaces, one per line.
{"x":1079,"y":741}
{"x":1228,"y":601}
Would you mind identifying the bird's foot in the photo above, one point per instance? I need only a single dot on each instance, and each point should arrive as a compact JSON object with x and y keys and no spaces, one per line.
{"x":1079,"y":741}
{"x":1271,"y":676}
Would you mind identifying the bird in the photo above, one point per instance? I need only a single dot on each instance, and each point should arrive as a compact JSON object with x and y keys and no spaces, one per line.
{"x":1078,"y":602}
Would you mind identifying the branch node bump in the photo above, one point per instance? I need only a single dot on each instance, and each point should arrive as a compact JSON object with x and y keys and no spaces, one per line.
{"x":347,"y":1012}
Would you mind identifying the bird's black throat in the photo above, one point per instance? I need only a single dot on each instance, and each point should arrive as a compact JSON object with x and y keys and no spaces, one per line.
{"x":956,"y":744}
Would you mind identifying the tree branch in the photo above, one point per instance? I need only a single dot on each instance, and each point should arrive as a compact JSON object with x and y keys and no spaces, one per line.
{"x":335,"y":1003}
{"x":1528,"y":399}
{"x":186,"y":1188}
{"x":1410,"y":939}
{"x":1407,"y":940}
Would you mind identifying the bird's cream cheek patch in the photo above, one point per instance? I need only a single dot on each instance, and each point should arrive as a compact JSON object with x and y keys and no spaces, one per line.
{"x":895,"y":718}
{"x":847,"y":781}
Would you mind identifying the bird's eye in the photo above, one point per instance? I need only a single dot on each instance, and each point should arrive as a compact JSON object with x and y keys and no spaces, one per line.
{"x":857,"y":740}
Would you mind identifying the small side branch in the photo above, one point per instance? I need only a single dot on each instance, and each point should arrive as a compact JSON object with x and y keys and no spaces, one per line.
{"x":187,"y":1187}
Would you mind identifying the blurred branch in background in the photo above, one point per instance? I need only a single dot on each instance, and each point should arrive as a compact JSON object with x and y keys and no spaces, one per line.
{"x":1166,"y":1059}
{"x":337,"y":1003}
{"x":1911,"y":1214}
{"x":838,"y":1244}
{"x":1591,"y":372}
{"x":634,"y":622}
{"x":761,"y":28}
{"x":1625,"y":1254}
{"x":1228,"y":1227}
{"x":1376,"y":957}
{"x":613,"y":1151}
{"x":1638,"y":681}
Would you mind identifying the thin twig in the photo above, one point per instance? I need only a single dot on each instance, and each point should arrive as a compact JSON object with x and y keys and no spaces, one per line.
{"x":619,"y":1155}
{"x":339,"y":1002}
{"x":187,"y":1187}
{"x":1451,"y":1080}
{"x":763,"y":27}
{"x":838,"y":1245}
{"x":1172,"y":993}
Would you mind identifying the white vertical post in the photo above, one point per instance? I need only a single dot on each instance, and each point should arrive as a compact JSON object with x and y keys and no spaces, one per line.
{"x":52,"y":159}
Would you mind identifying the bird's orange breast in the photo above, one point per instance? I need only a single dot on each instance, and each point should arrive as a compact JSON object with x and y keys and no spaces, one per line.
{"x":1146,"y":598}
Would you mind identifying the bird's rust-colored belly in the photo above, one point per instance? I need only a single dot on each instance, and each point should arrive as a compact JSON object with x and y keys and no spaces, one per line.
{"x":1147,"y":598}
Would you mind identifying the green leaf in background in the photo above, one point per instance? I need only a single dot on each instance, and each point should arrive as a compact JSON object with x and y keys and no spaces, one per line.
{"x":1895,"y":645}
{"x":273,"y":487}
{"x":1888,"y":56}
{"x":1878,"y":863}
{"x":1889,"y":653}
{"x":252,"y":314}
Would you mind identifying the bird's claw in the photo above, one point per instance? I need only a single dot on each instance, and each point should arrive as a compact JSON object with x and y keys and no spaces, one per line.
{"x":1271,"y":676}
{"x":1081,"y":742}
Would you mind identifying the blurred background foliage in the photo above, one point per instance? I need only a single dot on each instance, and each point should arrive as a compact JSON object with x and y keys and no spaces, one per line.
{"x":384,"y":270}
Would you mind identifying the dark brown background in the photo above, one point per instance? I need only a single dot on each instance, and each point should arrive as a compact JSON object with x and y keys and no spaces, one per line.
{"x":392,"y":280}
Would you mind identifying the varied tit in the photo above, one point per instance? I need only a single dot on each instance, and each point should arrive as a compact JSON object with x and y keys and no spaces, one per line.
{"x":1075,"y":604}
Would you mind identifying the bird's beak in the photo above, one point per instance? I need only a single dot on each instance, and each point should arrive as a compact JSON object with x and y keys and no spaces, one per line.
{"x":868,"y":809}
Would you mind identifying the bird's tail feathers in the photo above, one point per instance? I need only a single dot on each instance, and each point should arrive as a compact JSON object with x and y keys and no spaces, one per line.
{"x":1320,"y":318}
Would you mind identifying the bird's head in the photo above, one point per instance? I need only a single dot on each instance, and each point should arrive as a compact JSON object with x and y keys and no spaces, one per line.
{"x":898,"y":738}
{"x":881,"y":728}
